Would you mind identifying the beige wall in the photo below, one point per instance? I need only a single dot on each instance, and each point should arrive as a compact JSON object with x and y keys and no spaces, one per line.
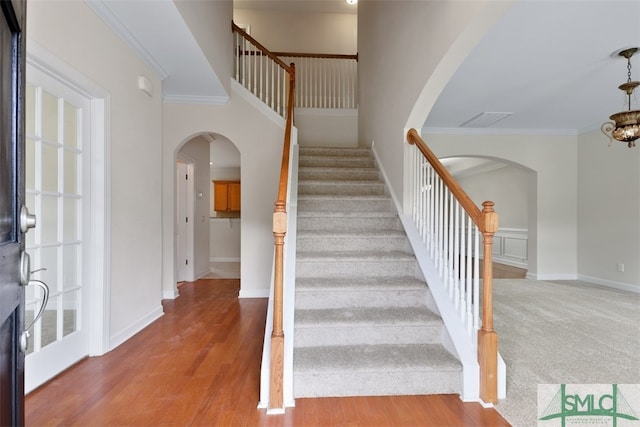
{"x":281,"y":31}
{"x":552,"y":199}
{"x":608,"y":211}
{"x":259,"y":140}
{"x":403,"y":67}
{"x":209,"y":23}
{"x":74,"y":34}
{"x":507,"y":187}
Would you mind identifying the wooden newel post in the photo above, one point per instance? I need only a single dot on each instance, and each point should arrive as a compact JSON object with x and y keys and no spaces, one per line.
{"x":277,"y":335}
{"x":487,"y":338}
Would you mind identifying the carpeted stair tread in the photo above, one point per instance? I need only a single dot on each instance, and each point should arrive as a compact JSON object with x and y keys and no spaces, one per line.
{"x":349,"y":197}
{"x":351,"y":256}
{"x":380,"y":234}
{"x":324,"y":151}
{"x":362,"y":326}
{"x":358,"y":283}
{"x":353,"y":317}
{"x":372,"y":358}
{"x":347,"y":214}
{"x":309,"y":173}
{"x":336,"y":162}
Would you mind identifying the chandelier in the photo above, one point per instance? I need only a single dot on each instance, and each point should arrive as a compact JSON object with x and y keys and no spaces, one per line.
{"x":625,"y":126}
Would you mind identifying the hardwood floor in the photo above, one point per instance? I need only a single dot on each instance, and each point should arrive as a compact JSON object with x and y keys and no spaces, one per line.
{"x":199,"y":365}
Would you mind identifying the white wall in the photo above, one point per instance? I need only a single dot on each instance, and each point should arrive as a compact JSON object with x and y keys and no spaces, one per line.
{"x":209,"y":22}
{"x":282,"y":31}
{"x":608,"y":211}
{"x":403,"y":67}
{"x":552,"y":214}
{"x":225,"y":240}
{"x":507,"y":187}
{"x":74,"y":34}
{"x":197,"y":151}
{"x":327,"y":127}
{"x":259,"y":140}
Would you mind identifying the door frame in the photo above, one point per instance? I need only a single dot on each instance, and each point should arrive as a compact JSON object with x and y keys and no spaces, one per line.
{"x":99,"y":264}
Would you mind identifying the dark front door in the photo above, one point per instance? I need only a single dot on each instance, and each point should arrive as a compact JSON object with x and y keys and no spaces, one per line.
{"x":12,"y":54}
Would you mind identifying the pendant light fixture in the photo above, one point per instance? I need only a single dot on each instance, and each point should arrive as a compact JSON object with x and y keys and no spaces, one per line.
{"x":625,"y":126}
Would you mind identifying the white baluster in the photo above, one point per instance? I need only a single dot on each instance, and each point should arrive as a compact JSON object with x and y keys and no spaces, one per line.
{"x":476,"y":280}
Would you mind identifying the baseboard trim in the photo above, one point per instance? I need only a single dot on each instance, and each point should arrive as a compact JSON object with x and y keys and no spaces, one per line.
{"x":254,"y":293}
{"x":136,"y":327}
{"x":610,"y":284}
{"x":224,"y":259}
{"x":534,"y":276}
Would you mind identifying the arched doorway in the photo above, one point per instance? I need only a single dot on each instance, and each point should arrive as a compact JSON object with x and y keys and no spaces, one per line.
{"x":512,"y":187}
{"x":207,"y":241}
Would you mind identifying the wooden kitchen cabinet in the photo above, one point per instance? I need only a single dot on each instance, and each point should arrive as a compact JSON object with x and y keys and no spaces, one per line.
{"x":226,"y":196}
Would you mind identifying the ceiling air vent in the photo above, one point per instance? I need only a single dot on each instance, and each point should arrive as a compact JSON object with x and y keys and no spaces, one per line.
{"x":484,"y":120}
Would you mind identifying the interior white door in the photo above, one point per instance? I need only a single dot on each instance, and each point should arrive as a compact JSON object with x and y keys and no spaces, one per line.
{"x":182,"y":219}
{"x":57,"y":191}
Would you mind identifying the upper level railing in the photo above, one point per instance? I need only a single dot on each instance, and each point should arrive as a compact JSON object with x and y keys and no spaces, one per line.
{"x":264,"y":74}
{"x":324,"y":80}
{"x":260,"y":71}
{"x":450,"y":226}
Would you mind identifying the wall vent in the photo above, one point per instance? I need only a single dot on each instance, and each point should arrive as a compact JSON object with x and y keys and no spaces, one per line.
{"x":484,"y":120}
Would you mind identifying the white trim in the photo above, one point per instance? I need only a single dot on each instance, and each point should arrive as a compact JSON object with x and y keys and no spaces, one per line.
{"x":495,"y":131}
{"x":224,"y":259}
{"x":171,"y":294}
{"x":135,"y":327}
{"x":629,"y":287}
{"x":535,"y":276}
{"x":100,"y":235}
{"x":254,"y":293}
{"x":196,"y":99}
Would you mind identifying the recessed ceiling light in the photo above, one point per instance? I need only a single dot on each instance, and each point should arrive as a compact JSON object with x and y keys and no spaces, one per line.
{"x":352,"y":1}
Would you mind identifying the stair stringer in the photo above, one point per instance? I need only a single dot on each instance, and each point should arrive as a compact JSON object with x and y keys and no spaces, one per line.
{"x":289,"y":296}
{"x":454,"y":336}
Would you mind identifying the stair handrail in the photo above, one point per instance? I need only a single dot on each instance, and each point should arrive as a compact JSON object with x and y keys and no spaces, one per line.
{"x":317,"y":55}
{"x":266,"y":52}
{"x":260,"y":71}
{"x":276,"y":390}
{"x":486,"y":220}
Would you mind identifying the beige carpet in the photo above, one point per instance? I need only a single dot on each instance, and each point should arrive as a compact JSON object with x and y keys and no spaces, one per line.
{"x":563,"y":332}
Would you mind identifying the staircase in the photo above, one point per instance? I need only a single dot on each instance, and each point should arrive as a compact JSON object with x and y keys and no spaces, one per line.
{"x":362,"y":327}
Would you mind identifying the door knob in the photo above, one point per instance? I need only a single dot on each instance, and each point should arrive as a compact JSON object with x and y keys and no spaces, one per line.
{"x":27,"y":220}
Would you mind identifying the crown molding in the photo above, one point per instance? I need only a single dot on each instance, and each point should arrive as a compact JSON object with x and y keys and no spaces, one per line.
{"x":103,"y":11}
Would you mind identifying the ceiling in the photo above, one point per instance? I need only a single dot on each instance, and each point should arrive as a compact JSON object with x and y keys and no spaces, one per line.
{"x":552,"y":63}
